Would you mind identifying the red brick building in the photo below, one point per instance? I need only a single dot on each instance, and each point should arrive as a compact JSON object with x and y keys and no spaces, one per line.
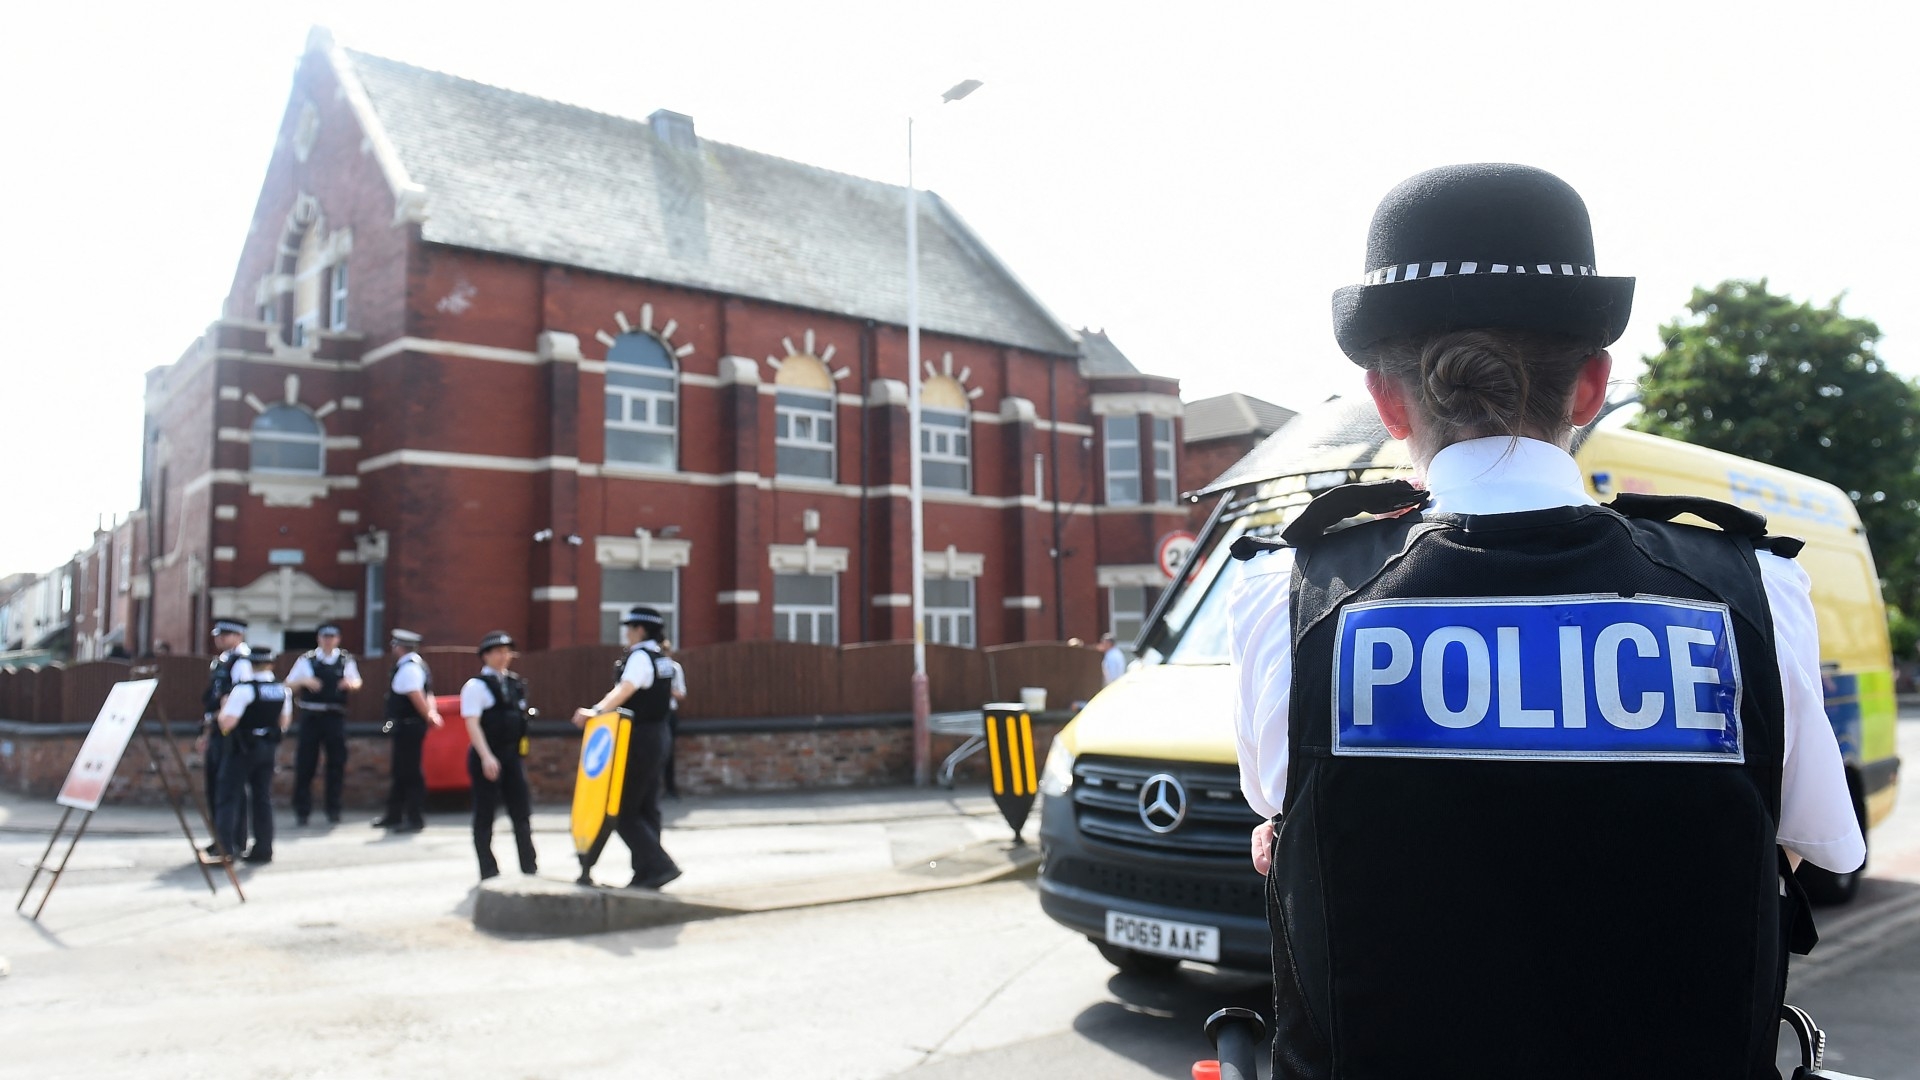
{"x":495,"y":361}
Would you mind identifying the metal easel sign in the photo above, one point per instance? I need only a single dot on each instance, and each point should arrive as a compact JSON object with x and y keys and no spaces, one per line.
{"x":93,"y":769}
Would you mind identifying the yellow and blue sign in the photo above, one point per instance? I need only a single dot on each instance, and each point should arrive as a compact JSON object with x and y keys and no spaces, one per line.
{"x":1568,"y":678}
{"x":597,"y":785}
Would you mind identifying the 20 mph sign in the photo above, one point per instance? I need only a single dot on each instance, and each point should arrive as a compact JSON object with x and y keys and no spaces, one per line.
{"x":1174,"y":550}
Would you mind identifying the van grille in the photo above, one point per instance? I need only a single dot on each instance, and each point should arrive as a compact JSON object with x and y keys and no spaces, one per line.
{"x":1218,"y":823}
{"x":1244,"y":894}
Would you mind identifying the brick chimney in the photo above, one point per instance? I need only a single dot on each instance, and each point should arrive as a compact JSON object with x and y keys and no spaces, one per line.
{"x":674,"y":129}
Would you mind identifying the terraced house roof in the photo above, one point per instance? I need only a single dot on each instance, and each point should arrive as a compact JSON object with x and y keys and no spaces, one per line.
{"x":507,"y":172}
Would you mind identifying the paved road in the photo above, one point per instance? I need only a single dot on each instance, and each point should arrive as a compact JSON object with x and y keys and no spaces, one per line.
{"x":366,"y":966}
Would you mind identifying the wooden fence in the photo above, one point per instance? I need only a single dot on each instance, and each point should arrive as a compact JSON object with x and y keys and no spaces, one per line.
{"x":741,"y":679}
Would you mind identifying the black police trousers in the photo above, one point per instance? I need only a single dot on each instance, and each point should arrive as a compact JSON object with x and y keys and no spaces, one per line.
{"x":327,"y":731}
{"x":488,"y":797}
{"x":213,"y":761}
{"x":407,"y":794}
{"x":246,"y":790}
{"x":639,"y":820}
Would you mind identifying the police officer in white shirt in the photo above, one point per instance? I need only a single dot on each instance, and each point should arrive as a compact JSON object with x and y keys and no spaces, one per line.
{"x":252,"y":719}
{"x":644,"y":685}
{"x":410,"y":712}
{"x":1539,"y":767}
{"x":494,"y":705}
{"x":321,"y":680}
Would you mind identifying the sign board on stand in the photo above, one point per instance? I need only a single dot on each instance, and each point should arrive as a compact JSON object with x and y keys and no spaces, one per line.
{"x":597,"y":785}
{"x":93,"y":769}
{"x":91,"y":776}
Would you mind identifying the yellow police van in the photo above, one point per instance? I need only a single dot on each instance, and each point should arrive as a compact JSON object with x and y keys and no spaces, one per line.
{"x":1144,"y":832}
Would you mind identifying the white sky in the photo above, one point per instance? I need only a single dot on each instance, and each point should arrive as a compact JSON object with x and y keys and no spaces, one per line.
{"x":1195,"y":178}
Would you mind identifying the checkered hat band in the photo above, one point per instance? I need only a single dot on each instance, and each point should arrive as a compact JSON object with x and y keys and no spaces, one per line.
{"x":227,"y":626}
{"x":1387,"y":275}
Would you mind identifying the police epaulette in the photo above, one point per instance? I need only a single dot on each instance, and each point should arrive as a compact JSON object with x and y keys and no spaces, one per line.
{"x":1249,"y":546}
{"x":1335,"y":505}
{"x":1726,"y":516}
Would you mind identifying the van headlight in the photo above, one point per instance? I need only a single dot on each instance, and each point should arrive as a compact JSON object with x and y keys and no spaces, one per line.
{"x":1056,"y":776}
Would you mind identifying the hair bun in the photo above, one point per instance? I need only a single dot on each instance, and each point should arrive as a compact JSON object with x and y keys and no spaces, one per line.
{"x":1473,"y":380}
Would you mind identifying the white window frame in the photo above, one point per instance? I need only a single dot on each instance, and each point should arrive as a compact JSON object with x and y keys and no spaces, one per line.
{"x":317,"y":440}
{"x":669,"y":610}
{"x":788,"y":618}
{"x":798,"y":426}
{"x":337,"y":296}
{"x":1164,"y":474}
{"x":938,"y":442}
{"x":647,"y":401}
{"x":1117,"y":426}
{"x":1137,"y":618}
{"x":953,"y":625}
{"x":375,"y":628}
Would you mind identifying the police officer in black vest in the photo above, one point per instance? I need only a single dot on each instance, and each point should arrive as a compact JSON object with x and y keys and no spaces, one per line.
{"x":494,"y":705}
{"x":1539,"y":767}
{"x":643,"y":682}
{"x":321,"y":680}
{"x":409,"y":713}
{"x":253,"y":719}
{"x":230,"y":667}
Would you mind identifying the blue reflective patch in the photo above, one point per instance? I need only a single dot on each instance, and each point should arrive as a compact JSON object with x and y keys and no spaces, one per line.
{"x":1569,"y":678}
{"x":599,"y":751}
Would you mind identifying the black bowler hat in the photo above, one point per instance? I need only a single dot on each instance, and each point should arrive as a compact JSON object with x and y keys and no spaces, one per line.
{"x":229,"y":626}
{"x":642,"y":616}
{"x":326,"y":629}
{"x":260,"y":658}
{"x":1471,"y":247}
{"x":495,"y":640}
{"x":405,"y":637}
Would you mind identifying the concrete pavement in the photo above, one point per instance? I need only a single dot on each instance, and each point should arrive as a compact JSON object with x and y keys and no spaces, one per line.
{"x":741,"y":853}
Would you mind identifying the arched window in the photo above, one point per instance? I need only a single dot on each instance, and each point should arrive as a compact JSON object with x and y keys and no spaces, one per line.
{"x":288,"y":440}
{"x":803,"y":419}
{"x":946,"y":430}
{"x":642,"y":402}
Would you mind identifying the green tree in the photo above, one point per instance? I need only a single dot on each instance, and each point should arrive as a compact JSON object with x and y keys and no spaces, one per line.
{"x":1802,"y":387}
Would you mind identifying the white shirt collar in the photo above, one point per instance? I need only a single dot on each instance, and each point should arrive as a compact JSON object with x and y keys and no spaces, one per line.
{"x":325,"y":655}
{"x":491,"y":670}
{"x":1501,"y":475}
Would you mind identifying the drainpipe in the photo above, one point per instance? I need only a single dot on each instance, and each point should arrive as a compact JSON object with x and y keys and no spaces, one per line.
{"x":866,"y":448}
{"x":1059,"y":586}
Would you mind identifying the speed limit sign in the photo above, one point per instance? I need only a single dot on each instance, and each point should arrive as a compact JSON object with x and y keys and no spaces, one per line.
{"x":1173,"y":551}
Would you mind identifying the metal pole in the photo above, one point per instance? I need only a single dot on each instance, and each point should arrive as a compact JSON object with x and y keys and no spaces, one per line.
{"x":922,"y":699}
{"x":86,"y":819}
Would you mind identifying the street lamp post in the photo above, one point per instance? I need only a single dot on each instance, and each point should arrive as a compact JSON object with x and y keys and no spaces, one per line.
{"x":922,"y":699}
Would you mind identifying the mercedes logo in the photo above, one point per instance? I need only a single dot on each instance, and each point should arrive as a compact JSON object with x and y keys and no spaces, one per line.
{"x":1163,"y":803}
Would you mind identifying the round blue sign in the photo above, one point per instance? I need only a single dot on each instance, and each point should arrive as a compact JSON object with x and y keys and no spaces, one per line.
{"x":599,"y":751}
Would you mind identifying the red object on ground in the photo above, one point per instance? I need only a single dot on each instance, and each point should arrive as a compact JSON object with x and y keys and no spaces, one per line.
{"x":1206,"y":1070}
{"x":444,"y":757}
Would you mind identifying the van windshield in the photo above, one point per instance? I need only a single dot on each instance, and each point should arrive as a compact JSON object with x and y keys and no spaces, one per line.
{"x":1193,"y":627}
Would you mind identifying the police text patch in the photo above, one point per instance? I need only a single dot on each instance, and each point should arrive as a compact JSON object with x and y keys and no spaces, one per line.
{"x":1570,"y":678}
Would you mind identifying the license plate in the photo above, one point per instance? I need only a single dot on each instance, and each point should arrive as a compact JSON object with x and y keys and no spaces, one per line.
{"x":1164,"y":937}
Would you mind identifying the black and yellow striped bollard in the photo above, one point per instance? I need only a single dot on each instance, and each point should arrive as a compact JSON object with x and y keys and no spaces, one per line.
{"x":1010,"y":753}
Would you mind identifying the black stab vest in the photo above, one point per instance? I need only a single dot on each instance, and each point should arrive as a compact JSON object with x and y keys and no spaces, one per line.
{"x":400,"y":706}
{"x":504,"y":723}
{"x":219,"y":681}
{"x":261,"y":718}
{"x":1527,"y":918}
{"x":651,"y":702}
{"x":331,"y":697}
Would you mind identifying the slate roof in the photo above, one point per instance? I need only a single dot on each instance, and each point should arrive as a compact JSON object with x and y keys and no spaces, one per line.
{"x":1101,"y":356}
{"x":515,"y":174}
{"x":1233,"y":414}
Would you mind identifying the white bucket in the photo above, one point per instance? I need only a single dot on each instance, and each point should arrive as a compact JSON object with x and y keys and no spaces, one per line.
{"x":1034,"y":698}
